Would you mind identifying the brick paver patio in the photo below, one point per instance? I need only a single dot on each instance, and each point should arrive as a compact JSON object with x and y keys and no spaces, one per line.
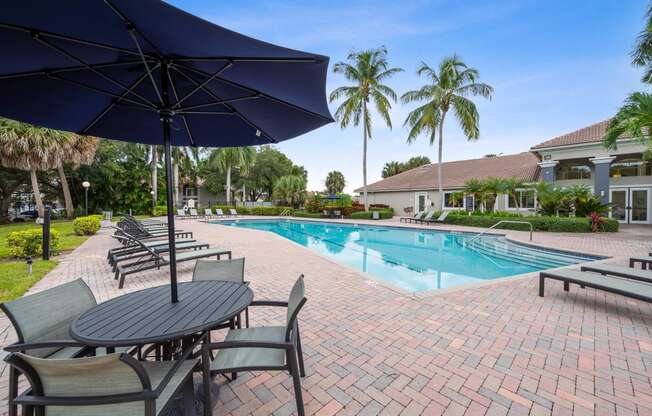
{"x":497,"y":349}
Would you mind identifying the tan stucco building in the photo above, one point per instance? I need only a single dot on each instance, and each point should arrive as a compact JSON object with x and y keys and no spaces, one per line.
{"x":618,"y":176}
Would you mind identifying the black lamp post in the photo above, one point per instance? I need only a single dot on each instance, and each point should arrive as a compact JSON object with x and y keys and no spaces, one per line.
{"x":86,"y":185}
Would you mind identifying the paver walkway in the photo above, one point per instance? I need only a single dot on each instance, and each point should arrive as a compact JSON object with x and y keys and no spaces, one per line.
{"x":497,"y":349}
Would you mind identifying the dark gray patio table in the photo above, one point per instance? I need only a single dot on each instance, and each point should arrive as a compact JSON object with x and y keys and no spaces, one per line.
{"x":148,"y":317}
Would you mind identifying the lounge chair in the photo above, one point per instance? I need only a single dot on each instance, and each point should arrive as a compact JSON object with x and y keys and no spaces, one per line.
{"x":425,"y":218}
{"x":128,"y":246}
{"x":181,"y":215}
{"x":142,"y":233}
{"x":632,"y":289}
{"x":208,"y":214}
{"x":231,"y":270}
{"x":42,"y":324}
{"x":375,"y":215}
{"x":438,"y":220}
{"x":193,"y":213}
{"x":159,"y":249}
{"x":261,"y":348}
{"x":153,"y":260}
{"x":416,"y":216}
{"x":619,"y":271}
{"x":115,"y":384}
{"x":233,"y":212}
{"x":646,"y":261}
{"x":219,"y":213}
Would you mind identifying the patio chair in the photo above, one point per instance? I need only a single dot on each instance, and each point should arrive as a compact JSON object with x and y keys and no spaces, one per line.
{"x":233,"y":212}
{"x":632,"y":289}
{"x":375,"y":215}
{"x":425,"y":218}
{"x":115,"y":384}
{"x":268,"y":348}
{"x":231,"y":270}
{"x":163,"y":248}
{"x":181,"y":215}
{"x":208,"y":214}
{"x":646,"y":261}
{"x":193,"y":213}
{"x":42,"y":324}
{"x":438,"y":220}
{"x":619,"y":271}
{"x":219,"y":213}
{"x":414,"y":217}
{"x":153,"y":260}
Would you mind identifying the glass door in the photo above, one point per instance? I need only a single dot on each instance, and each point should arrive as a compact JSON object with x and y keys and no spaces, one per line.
{"x":639,"y":206}
{"x":420,"y":201}
{"x":619,"y":201}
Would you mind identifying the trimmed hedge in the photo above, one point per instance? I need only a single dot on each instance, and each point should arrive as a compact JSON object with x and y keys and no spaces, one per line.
{"x":29,"y":242}
{"x":556,"y":224}
{"x":306,"y":214}
{"x":368,"y":215}
{"x":160,"y":211}
{"x":88,"y":225}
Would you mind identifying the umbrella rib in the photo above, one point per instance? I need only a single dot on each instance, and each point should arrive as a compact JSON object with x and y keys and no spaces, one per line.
{"x":185,"y":122}
{"x":99,"y":90}
{"x":215,"y":113}
{"x":68,"y":69}
{"x":131,"y":26}
{"x":101,"y":74}
{"x":67,"y":38}
{"x":203,"y":84}
{"x":114,"y":103}
{"x":215,"y":97}
{"x":224,"y":101}
{"x":252,"y":59}
{"x":252,"y":90}
{"x":131,"y":31}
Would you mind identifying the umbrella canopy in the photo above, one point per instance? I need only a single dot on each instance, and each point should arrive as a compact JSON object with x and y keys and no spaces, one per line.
{"x":147,"y":72}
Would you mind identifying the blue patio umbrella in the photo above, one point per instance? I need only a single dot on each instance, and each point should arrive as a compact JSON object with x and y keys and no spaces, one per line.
{"x":144,"y":71}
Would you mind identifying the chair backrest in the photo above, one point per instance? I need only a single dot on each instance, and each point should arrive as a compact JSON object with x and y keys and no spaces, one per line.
{"x":295,"y":302}
{"x":218,"y":211}
{"x":443,"y":216}
{"x":233,"y":212}
{"x":79,"y":378}
{"x":429,"y":215}
{"x":375,"y":215}
{"x":418,"y":214}
{"x":47,"y":315}
{"x":231,"y":270}
{"x":193,"y":212}
{"x":208,"y":211}
{"x":181,"y":212}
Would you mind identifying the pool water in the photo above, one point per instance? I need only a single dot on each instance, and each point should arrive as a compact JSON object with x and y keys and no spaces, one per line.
{"x":413,"y":259}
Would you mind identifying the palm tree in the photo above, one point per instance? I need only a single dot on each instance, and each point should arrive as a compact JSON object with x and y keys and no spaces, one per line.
{"x":642,"y":53}
{"x":511,"y":187}
{"x":335,"y":182}
{"x":447,"y":89}
{"x":186,"y":159}
{"x":633,"y":119}
{"x":153,"y":166}
{"x":290,"y":189}
{"x":229,"y":158}
{"x":392,"y":168}
{"x":31,"y":148}
{"x":367,"y":70}
{"x":79,"y":151}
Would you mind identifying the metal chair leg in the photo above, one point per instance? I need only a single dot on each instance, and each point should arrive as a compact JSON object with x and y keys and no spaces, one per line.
{"x":13,"y":390}
{"x":296,"y":381}
{"x":302,"y":369}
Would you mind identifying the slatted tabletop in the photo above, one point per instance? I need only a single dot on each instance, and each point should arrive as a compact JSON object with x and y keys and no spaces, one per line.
{"x":148,"y":316}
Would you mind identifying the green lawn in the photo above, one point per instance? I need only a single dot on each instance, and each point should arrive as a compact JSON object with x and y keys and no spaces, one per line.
{"x":69,"y":240}
{"x":14,"y":280}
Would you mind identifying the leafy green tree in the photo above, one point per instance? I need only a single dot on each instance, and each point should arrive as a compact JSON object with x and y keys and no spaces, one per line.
{"x":10,"y":181}
{"x":416,"y":161}
{"x":229,"y":158}
{"x":270,"y":164}
{"x":448,"y":88}
{"x":290,"y":189}
{"x":634,"y":119}
{"x":511,"y":187}
{"x":367,"y":70}
{"x":335,"y":182}
{"x":392,"y":168}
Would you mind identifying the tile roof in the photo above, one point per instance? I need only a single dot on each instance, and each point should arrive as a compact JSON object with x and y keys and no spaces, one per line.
{"x":522,"y":165}
{"x":591,"y":134}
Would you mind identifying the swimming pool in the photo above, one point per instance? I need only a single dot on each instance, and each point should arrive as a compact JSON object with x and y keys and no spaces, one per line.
{"x":413,"y":259}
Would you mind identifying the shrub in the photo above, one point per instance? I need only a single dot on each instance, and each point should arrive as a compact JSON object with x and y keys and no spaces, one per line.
{"x":29,"y":242}
{"x":555,"y":224}
{"x":367,"y":215}
{"x":88,"y":225}
{"x":160,"y":211}
{"x":306,"y":214}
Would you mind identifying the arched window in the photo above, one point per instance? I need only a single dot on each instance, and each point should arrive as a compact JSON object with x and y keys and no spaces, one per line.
{"x":630,"y":167}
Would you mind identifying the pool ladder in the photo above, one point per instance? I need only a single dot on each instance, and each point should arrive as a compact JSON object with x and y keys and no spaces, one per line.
{"x":286,"y":213}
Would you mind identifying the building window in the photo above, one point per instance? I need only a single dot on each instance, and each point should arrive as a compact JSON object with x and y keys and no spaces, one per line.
{"x":453,"y":200}
{"x":526,"y":198}
{"x":630,"y":167}
{"x":573,"y":171}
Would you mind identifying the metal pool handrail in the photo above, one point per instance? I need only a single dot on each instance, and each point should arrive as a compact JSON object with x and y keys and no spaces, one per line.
{"x":496,"y":225}
{"x":285,"y":213}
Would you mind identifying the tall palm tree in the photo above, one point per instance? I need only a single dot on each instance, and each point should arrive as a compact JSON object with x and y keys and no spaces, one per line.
{"x":634,"y":119}
{"x":367,"y":70}
{"x":31,"y":148}
{"x":186,"y":159}
{"x":448,"y":88}
{"x":229,"y":158}
{"x":335,"y":182}
{"x":642,"y":53}
{"x":511,"y":187}
{"x":80,"y":150}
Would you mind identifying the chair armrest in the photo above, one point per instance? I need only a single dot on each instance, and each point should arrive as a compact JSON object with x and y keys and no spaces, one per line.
{"x":269,"y":303}
{"x":223,"y":345}
{"x":164,"y":382}
{"x":17,"y":347}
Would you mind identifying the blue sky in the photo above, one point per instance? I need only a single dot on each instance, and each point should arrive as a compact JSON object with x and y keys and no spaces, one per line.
{"x":556,"y":66}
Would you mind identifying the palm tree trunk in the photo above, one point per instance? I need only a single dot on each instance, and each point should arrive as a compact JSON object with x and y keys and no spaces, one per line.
{"x":228,"y":185}
{"x":70,"y":210}
{"x":37,"y":193}
{"x":364,"y":155}
{"x":440,"y":186}
{"x":154,"y":169}
{"x":244,"y":193}
{"x":175,"y":178}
